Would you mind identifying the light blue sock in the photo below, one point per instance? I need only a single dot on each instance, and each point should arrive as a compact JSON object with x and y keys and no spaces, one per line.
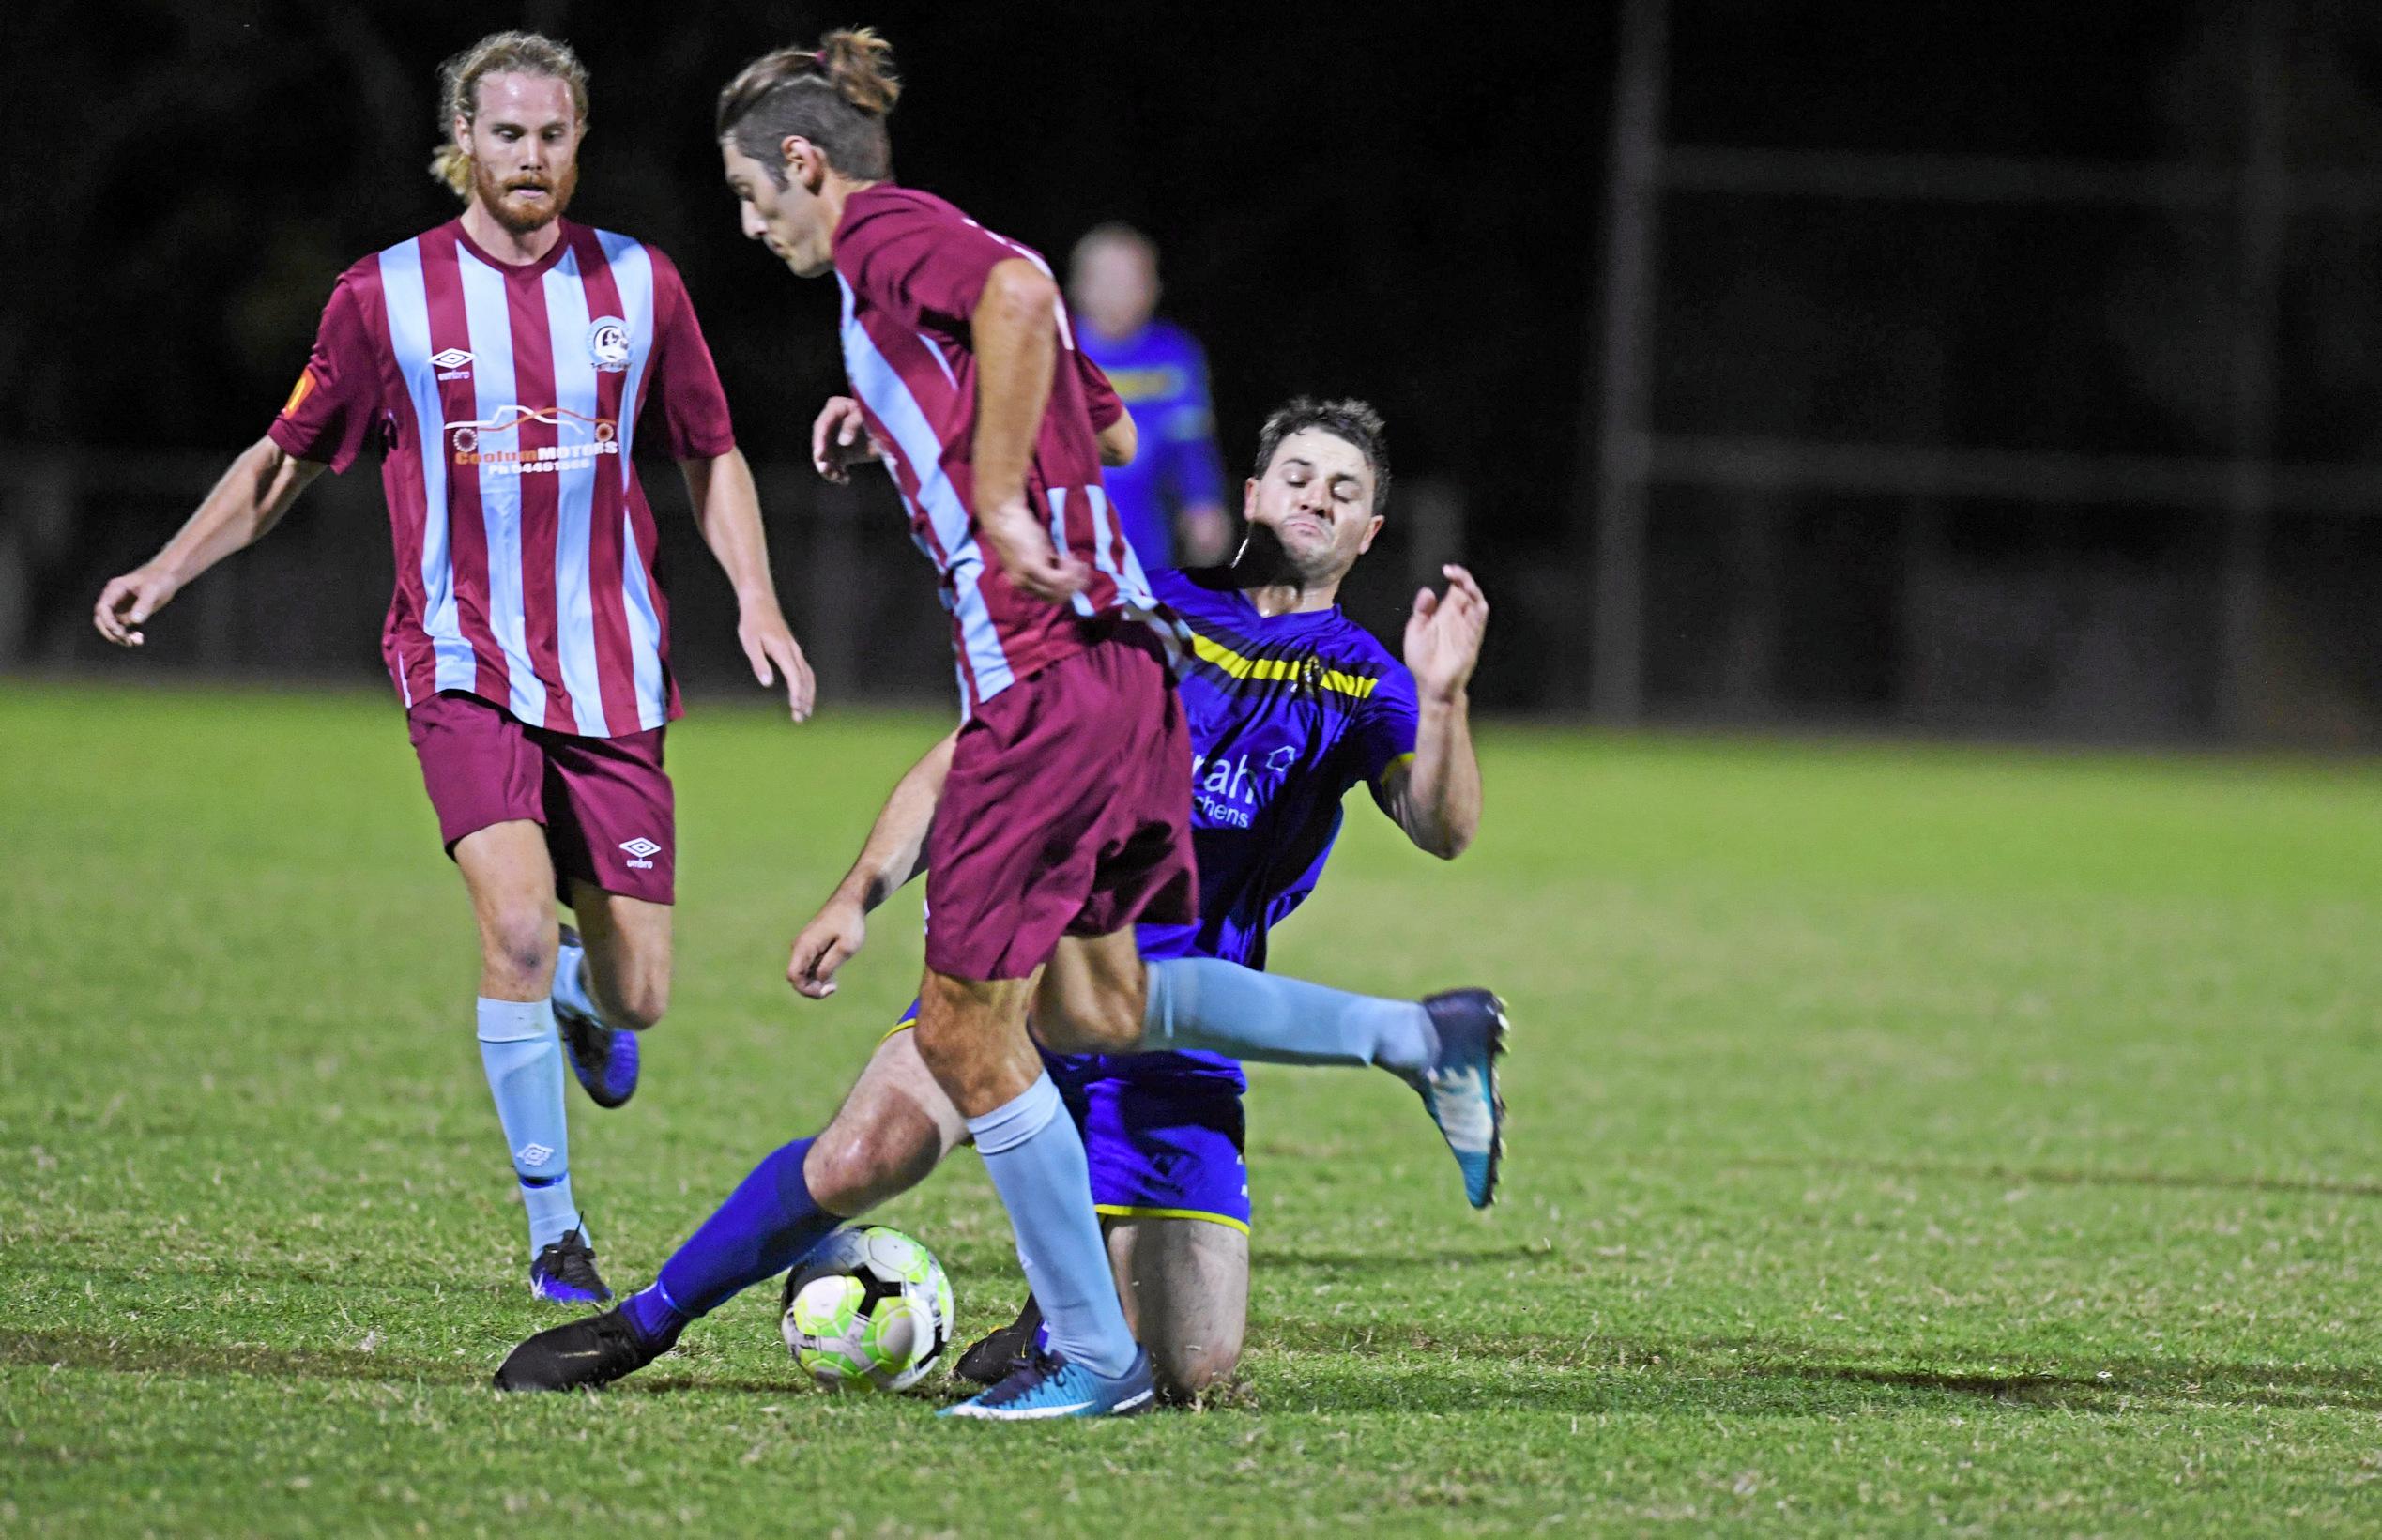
{"x":1221,"y":1006}
{"x":523,"y":1056}
{"x":571,"y":985}
{"x":1035,"y":1158}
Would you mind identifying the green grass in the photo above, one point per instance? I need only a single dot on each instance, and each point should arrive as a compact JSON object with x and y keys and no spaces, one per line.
{"x":1903,"y":1139}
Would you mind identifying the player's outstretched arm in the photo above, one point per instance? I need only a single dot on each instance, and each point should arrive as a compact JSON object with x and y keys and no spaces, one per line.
{"x":1435,"y":796}
{"x":248,"y":501}
{"x":728,"y":509}
{"x":894,"y":852}
{"x":1015,"y":329}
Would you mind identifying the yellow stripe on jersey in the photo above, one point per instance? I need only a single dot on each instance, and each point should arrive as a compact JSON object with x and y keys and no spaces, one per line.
{"x":1213,"y":651}
{"x":1124,"y":1210}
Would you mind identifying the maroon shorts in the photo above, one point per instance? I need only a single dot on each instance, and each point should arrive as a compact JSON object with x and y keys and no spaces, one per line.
{"x":609,"y":817}
{"x":1067,"y":813}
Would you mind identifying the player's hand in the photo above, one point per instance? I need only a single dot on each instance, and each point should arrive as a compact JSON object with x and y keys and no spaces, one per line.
{"x":833,"y":938}
{"x":1444,"y":636}
{"x":840,"y":439}
{"x":767,"y":643}
{"x":1027,"y":556}
{"x":128,"y":602}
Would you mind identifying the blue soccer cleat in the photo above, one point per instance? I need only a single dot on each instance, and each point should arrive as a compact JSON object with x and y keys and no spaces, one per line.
{"x":603,"y":1057}
{"x":1461,"y":1089}
{"x":565,"y":1272}
{"x":1043,"y":1384}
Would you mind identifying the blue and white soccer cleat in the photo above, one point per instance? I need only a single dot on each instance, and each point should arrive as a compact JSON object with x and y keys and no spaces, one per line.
{"x":1460,"y":1089}
{"x":603,"y":1057}
{"x":565,"y":1272}
{"x":1043,"y":1384}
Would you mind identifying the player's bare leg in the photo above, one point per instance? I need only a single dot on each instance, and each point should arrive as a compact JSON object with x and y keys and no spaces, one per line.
{"x":889,"y":1136}
{"x":972,"y":1036}
{"x":610,"y":982}
{"x":1185,"y":1288}
{"x":627,"y":974}
{"x":510,"y":875}
{"x":510,"y":879}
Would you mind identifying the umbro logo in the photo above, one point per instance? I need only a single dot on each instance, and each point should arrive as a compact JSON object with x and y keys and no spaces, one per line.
{"x":453,"y":357}
{"x":641,"y":852}
{"x":533,"y":1155}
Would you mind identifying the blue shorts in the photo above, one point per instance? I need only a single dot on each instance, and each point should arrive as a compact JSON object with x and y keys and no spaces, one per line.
{"x":1164,"y":1133}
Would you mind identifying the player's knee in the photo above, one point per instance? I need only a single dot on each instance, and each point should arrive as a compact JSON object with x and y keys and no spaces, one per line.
{"x":641,"y":999}
{"x":1187,"y":1370}
{"x":852,"y":1170}
{"x":517,"y":944}
{"x":1089,"y":1021}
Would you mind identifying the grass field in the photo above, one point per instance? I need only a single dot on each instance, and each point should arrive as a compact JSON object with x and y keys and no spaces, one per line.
{"x":1903,"y":1139}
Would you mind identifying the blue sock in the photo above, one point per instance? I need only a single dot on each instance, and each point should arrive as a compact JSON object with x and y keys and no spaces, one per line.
{"x":768,"y":1224}
{"x":571,"y":985}
{"x":1200,"y":1002}
{"x":1035,"y":1158}
{"x":523,"y":1057}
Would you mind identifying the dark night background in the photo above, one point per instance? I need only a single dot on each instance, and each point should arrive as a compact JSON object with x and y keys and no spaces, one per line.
{"x":1403,"y":201}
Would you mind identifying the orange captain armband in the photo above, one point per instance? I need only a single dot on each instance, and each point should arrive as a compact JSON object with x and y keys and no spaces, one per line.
{"x":298,"y":392}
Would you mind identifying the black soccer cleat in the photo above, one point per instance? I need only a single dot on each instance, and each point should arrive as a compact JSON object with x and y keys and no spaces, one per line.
{"x":565,"y":1272}
{"x":988,"y":1361}
{"x":590,"y":1351}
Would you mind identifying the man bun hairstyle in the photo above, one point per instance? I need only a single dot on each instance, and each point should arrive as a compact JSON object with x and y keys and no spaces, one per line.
{"x":836,"y":95}
{"x":1348,"y":419}
{"x":497,"y":53}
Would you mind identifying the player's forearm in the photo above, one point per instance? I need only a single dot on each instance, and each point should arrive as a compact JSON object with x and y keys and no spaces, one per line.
{"x":1119,"y":441}
{"x":248,"y":501}
{"x":897,"y":848}
{"x":1443,"y":782}
{"x":1016,"y":334}
{"x":727,"y":509}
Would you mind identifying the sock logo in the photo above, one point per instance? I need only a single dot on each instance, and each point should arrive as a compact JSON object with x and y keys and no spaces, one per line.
{"x":533,"y":1155}
{"x":640,"y":851}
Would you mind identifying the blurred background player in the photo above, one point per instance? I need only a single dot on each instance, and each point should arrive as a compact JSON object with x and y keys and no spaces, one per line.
{"x":1289,"y":706}
{"x":1170,"y":498}
{"x":497,"y":362}
{"x":1064,"y":818}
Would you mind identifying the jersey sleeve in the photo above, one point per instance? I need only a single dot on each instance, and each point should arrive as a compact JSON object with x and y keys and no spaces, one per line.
{"x":1098,"y":394}
{"x":922,"y":262}
{"x":1386,"y":723}
{"x":694,"y":411}
{"x":332,"y":408}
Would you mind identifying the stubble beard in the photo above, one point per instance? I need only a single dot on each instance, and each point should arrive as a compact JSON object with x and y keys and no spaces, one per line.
{"x":491,"y":189}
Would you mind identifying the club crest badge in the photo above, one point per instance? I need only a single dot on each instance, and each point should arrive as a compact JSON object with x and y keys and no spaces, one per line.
{"x":608,"y":343}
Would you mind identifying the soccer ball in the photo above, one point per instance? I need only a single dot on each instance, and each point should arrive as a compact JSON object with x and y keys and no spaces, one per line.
{"x":870,"y":1310}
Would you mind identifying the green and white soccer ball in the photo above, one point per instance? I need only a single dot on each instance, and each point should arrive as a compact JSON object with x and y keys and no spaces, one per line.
{"x":870,"y":1310}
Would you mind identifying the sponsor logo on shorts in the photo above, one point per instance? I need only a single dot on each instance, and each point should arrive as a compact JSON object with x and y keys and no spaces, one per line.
{"x":641,"y":852}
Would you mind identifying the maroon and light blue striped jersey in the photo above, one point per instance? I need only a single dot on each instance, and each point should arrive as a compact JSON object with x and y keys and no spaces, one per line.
{"x":505,"y":399}
{"x":912,"y":268}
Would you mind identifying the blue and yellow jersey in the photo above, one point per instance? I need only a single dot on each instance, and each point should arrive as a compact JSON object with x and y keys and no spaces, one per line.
{"x":1288,"y":713}
{"x":1162,"y":377}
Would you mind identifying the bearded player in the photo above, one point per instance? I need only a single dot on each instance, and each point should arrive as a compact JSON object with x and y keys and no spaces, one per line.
{"x":1290,"y":705}
{"x":499,"y":364}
